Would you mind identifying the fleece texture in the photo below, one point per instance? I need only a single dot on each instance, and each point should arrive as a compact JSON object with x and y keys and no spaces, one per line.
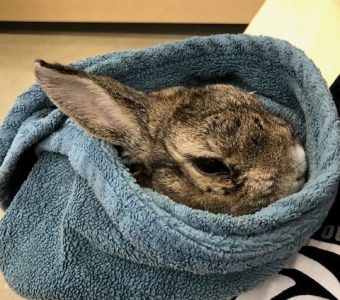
{"x":78,"y":226}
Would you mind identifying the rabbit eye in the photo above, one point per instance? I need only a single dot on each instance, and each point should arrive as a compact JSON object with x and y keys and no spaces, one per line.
{"x":211,"y":166}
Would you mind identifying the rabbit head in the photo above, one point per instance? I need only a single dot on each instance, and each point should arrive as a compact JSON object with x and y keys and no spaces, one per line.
{"x":213,"y":148}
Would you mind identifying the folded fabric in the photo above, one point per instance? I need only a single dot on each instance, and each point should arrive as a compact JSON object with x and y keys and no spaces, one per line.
{"x":313,"y":273}
{"x":78,"y":226}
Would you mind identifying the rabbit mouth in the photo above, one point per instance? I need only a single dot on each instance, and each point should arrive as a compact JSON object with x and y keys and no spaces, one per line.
{"x":302,"y":177}
{"x":300,"y":183}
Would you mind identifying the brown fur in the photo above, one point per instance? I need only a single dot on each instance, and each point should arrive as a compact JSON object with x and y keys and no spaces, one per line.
{"x":165,"y":134}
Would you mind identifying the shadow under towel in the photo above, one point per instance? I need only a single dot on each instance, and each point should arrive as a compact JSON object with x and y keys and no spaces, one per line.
{"x":77,"y":225}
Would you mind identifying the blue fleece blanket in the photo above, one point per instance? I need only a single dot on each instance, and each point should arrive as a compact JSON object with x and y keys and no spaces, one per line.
{"x":77,"y":225}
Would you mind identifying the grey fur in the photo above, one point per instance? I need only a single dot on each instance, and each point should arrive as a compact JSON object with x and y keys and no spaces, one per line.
{"x":162,"y":133}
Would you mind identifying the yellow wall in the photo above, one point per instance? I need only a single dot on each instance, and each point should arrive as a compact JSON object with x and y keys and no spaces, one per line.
{"x":131,"y":11}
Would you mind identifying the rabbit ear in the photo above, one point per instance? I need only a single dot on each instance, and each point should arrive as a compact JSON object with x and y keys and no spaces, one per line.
{"x":105,"y":108}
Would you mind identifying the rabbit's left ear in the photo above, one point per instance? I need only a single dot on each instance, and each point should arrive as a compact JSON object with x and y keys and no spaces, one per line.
{"x":105,"y":108}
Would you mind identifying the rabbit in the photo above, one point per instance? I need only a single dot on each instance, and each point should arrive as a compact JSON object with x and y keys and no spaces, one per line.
{"x":213,"y":148}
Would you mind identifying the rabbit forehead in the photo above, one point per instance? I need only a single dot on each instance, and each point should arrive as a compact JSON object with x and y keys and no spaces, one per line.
{"x":234,"y":138}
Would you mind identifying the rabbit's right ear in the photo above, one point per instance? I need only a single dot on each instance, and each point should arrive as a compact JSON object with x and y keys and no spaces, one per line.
{"x":105,"y":108}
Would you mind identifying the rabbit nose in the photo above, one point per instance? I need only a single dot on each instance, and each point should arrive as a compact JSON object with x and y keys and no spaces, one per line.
{"x":299,"y":157}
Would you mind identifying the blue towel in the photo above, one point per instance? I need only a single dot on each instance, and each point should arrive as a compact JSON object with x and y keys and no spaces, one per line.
{"x":77,"y":225}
